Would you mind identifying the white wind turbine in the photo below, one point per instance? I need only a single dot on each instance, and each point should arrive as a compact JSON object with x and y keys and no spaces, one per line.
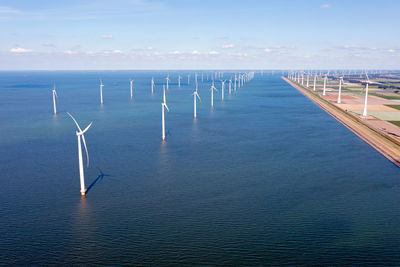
{"x":315,"y":82}
{"x":308,"y":80}
{"x":222,"y":90}
{"x":234,"y":84}
{"x":163,"y":105}
{"x":339,"y":100}
{"x":188,"y":79}
{"x":230,"y":86}
{"x":54,"y":100}
{"x":80,"y":135}
{"x":131,"y":85}
{"x":324,"y":91}
{"x":195,"y":95}
{"x":366,"y":96}
{"x":179,"y":81}
{"x":212,"y":94}
{"x":101,"y":91}
{"x":152,"y":85}
{"x":167,"y":81}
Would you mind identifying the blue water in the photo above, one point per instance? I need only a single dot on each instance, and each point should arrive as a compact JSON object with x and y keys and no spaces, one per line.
{"x":266,"y":177}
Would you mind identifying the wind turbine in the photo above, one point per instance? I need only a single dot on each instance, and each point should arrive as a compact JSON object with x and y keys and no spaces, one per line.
{"x":179,"y":81}
{"x":54,"y":100}
{"x":131,"y":83}
{"x":195,"y":95}
{"x":152,"y":85}
{"x":315,"y":81}
{"x":340,"y":90}
{"x":234,"y":84}
{"x":324,"y":91}
{"x":80,"y":135}
{"x":212,"y":94}
{"x":101,"y":91}
{"x":188,"y":79}
{"x":366,"y":97}
{"x":167,"y":81}
{"x":230,"y":86}
{"x":222,"y":90}
{"x":163,"y":105}
{"x":308,"y":79}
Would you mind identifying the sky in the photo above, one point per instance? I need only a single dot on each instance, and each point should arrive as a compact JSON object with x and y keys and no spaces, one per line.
{"x":199,"y":34}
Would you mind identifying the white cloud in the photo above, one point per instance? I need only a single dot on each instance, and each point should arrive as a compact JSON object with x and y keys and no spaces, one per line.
{"x":227,"y":46}
{"x":222,"y":37}
{"x":69,"y":52}
{"x":326,"y":6}
{"x":149,"y":48}
{"x":213,"y":53}
{"x":195,"y":52}
{"x":176,"y":52}
{"x":238,"y":54}
{"x":8,"y":10}
{"x":391,"y":51}
{"x":20,"y":50}
{"x":116,"y":51}
{"x":267,"y":50}
{"x":107,"y":36}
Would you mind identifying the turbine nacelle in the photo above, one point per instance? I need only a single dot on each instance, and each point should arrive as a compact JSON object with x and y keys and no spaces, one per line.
{"x":81,"y":133}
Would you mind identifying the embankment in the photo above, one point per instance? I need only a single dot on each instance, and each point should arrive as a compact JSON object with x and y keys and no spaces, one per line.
{"x":383,"y":143}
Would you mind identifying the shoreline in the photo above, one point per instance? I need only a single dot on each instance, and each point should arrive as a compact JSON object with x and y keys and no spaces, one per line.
{"x":379,"y":140}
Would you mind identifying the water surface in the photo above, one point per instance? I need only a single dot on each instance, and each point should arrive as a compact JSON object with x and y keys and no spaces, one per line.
{"x":266,"y":177}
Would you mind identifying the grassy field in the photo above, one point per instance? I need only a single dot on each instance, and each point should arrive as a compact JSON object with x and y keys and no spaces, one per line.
{"x":394,"y":106}
{"x":397,"y":123}
{"x":390,"y":97}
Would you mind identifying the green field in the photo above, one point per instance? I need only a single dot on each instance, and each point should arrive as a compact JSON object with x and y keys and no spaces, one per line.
{"x":397,"y":123}
{"x":394,"y":106}
{"x":392,"y":97}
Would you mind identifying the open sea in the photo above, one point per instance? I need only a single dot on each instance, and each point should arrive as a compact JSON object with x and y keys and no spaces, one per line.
{"x":264,"y":178}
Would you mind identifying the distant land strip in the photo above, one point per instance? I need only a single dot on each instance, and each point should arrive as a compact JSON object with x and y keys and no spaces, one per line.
{"x":380,"y":141}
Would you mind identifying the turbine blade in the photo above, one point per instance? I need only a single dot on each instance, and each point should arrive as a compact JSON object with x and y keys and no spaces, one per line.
{"x":77,"y":125}
{"x":87,"y":128}
{"x":165,"y":105}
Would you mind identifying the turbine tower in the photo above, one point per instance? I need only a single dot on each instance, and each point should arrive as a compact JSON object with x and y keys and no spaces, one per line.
{"x":163,"y":105}
{"x":324,"y":91}
{"x":222,"y":90}
{"x":212,"y":94}
{"x":339,"y":100}
{"x":152,"y":85}
{"x":80,"y":135}
{"x":315,"y":82}
{"x":167,"y":82}
{"x":101,"y":91}
{"x":54,"y":100}
{"x":131,"y":83}
{"x":366,"y":96}
{"x":195,"y":95}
